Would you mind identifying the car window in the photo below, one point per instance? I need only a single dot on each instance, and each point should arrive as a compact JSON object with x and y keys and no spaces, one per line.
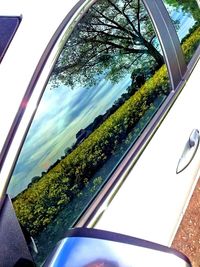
{"x":186,"y":19}
{"x":8,"y":27}
{"x":107,"y":84}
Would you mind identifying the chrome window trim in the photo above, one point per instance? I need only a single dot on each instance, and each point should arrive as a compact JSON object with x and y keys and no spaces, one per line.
{"x":40,"y":77}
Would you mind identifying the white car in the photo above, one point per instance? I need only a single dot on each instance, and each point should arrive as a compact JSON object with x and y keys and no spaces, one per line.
{"x":99,"y":119}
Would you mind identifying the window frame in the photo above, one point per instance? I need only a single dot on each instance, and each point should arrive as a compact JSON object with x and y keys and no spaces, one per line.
{"x":178,"y":73}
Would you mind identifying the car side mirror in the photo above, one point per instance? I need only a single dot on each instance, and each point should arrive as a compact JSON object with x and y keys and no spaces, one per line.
{"x":84,"y":247}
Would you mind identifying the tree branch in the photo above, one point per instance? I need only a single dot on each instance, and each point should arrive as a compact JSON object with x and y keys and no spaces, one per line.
{"x":114,"y":45}
{"x":138,"y":17}
{"x":124,"y":14}
{"x":109,"y":35}
{"x":78,"y":63}
{"x":115,"y":23}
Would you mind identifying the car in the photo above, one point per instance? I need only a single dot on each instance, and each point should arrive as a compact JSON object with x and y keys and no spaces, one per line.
{"x":100,"y":120}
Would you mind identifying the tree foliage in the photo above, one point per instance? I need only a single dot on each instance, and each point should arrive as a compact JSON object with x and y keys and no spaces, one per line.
{"x":190,"y":44}
{"x":110,"y":40}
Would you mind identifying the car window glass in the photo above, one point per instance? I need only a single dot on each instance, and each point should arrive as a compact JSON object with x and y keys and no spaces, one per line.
{"x":8,"y":27}
{"x":108,"y":82}
{"x":186,"y":19}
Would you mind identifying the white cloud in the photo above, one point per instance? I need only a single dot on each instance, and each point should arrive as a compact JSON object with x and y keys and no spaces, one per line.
{"x":61,"y":114}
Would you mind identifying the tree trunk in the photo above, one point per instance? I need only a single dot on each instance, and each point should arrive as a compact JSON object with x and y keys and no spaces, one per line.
{"x":154,"y":53}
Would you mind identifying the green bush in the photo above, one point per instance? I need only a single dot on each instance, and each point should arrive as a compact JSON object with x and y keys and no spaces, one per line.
{"x":191,"y":44}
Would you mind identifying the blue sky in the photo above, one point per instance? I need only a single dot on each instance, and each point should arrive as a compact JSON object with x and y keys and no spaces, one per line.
{"x":186,"y":21}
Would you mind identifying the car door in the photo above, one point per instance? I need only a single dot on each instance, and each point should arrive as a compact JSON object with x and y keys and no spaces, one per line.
{"x":103,"y":116}
{"x":159,"y":186}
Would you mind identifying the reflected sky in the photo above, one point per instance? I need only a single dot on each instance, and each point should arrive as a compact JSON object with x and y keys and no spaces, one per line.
{"x":185,"y":21}
{"x":61,"y":114}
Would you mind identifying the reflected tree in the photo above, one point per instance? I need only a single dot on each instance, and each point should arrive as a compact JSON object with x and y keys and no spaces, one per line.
{"x":110,"y":40}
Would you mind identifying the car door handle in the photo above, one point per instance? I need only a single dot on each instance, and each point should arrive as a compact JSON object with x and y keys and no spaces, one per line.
{"x":189,"y":151}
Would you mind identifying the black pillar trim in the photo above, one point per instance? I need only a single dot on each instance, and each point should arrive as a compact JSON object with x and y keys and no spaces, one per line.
{"x":169,"y":40}
{"x":13,"y":249}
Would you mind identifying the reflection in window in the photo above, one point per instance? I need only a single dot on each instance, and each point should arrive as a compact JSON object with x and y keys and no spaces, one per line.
{"x":106,"y":85}
{"x":186,"y":18}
